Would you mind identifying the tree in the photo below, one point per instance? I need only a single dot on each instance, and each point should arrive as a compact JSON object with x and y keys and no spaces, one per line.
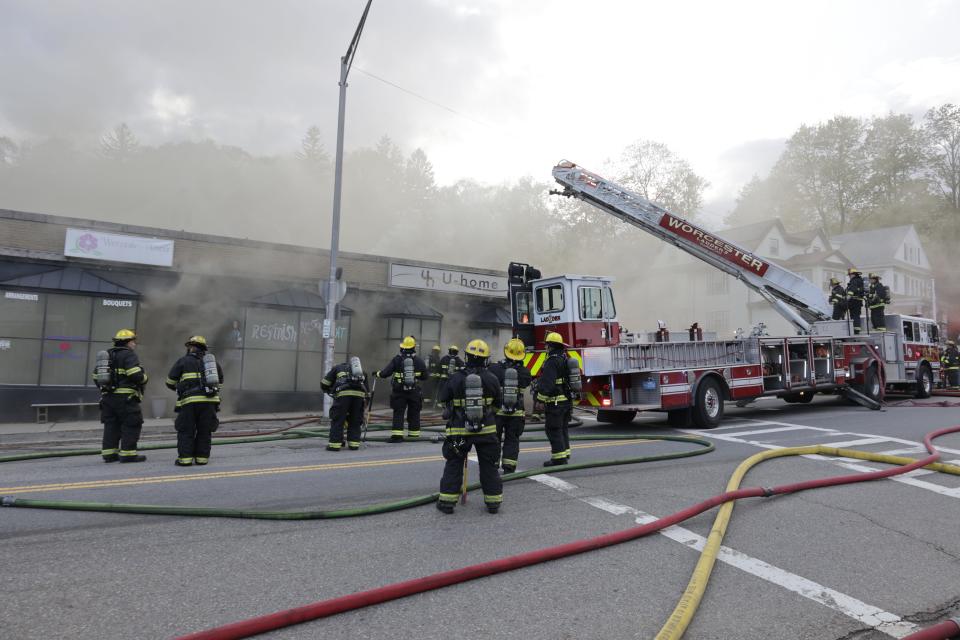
{"x":942,"y":129}
{"x":8,"y":151}
{"x":761,"y":200}
{"x":311,"y":148}
{"x":895,"y":151}
{"x":419,"y":188}
{"x":658,"y":174}
{"x":120,"y":145}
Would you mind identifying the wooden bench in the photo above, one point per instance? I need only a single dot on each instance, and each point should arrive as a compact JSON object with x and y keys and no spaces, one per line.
{"x":43,"y":413}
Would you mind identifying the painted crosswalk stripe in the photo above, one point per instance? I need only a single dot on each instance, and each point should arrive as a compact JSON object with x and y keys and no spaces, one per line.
{"x":867,"y":614}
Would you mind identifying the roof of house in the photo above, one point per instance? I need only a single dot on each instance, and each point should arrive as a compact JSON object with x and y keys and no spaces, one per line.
{"x":69,"y":279}
{"x":873,"y":247}
{"x":813,"y":259}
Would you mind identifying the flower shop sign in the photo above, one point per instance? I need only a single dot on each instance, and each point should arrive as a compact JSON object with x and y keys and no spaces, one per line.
{"x":96,"y":245}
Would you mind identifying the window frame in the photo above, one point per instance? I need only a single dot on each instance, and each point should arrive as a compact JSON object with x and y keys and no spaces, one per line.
{"x":538,"y":298}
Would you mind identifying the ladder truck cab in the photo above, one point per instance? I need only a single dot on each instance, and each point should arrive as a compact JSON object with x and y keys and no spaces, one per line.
{"x":691,"y":378}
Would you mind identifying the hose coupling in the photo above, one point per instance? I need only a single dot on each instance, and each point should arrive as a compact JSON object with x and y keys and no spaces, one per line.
{"x":767,"y":492}
{"x":7,"y":501}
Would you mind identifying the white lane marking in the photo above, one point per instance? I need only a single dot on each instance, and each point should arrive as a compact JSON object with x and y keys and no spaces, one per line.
{"x":869,"y":615}
{"x":771,"y":430}
{"x":739,"y":426}
{"x":854,"y":443}
{"x":908,"y":479}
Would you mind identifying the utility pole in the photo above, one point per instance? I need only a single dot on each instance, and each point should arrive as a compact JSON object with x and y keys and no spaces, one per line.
{"x":330,"y":320}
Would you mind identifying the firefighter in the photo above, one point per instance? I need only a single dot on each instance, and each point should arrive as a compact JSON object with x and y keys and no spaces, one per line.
{"x":553,"y":390}
{"x":450,"y":364}
{"x":878,"y":297}
{"x":855,"y":296}
{"x":347,"y":383}
{"x":407,"y":369}
{"x":196,"y":377}
{"x":471,"y":397}
{"x":511,"y":414}
{"x":950,"y":365}
{"x":838,"y":298}
{"x":121,"y":391}
{"x":432,"y":384}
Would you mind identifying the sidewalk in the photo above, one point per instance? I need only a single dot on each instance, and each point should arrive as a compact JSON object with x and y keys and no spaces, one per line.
{"x":150,"y":425}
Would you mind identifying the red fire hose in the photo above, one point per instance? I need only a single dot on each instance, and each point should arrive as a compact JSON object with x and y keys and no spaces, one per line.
{"x":325,"y":608}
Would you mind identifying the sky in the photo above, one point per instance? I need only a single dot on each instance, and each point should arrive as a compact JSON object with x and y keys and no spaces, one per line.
{"x":492,"y":90}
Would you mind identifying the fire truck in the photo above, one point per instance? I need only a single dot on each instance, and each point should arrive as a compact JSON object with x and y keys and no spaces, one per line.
{"x":624,"y":373}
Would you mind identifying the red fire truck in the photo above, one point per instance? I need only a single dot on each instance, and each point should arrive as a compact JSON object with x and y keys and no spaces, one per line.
{"x":624,"y":373}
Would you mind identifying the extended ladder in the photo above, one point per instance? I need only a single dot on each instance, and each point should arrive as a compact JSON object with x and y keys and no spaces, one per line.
{"x":794,"y":297}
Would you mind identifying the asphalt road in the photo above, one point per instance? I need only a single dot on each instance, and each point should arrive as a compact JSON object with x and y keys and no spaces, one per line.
{"x":872,"y":560}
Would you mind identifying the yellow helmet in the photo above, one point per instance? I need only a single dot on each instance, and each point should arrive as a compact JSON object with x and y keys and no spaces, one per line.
{"x":478,"y":348}
{"x":554,"y":338}
{"x":454,"y":348}
{"x":124,"y":334}
{"x":951,"y":343}
{"x":853,"y":270}
{"x":199,"y":341}
{"x":874,"y":276}
{"x":436,"y":347}
{"x":515,"y":349}
{"x":408,"y":343}
{"x":834,"y":281}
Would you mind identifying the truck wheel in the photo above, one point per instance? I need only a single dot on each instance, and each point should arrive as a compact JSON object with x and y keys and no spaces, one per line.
{"x":803,"y":397}
{"x":615,"y":417}
{"x":679,"y":418}
{"x":924,"y":382}
{"x":871,"y":384}
{"x":708,"y":405}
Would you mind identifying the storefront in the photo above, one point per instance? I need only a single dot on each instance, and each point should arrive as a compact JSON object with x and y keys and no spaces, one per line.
{"x":67,"y":286}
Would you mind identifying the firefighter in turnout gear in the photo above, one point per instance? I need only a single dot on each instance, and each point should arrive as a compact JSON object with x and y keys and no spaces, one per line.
{"x":196,"y":377}
{"x":347,"y":383}
{"x":471,"y":397}
{"x":121,"y":380}
{"x":950,"y":365}
{"x":450,"y":364}
{"x":855,"y":297}
{"x":406,"y":371}
{"x":514,"y":379}
{"x":553,"y":390}
{"x":878,"y":297}
{"x":838,"y":298}
{"x":432,"y":384}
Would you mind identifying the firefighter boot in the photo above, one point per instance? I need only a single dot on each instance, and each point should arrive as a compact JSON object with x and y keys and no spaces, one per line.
{"x":183,"y":462}
{"x":395,"y":439}
{"x":111,"y":457}
{"x":509,"y":468}
{"x":333,"y":447}
{"x":445,"y":507}
{"x":493,"y":508}
{"x":555,"y":463}
{"x":136,"y":458}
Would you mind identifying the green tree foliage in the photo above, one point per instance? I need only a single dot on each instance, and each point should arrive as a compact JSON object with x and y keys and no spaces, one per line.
{"x":312,"y":150}
{"x":658,"y":174}
{"x":942,"y":127}
{"x":120,"y":145}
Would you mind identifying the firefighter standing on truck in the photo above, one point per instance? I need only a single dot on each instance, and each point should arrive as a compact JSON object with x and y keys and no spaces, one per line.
{"x":855,"y":296}
{"x":121,"y":380}
{"x":838,"y":298}
{"x":950,"y":365}
{"x":514,"y":379}
{"x":196,"y":377}
{"x":347,"y":383}
{"x":471,"y":397}
{"x":878,"y":297}
{"x":406,"y":370}
{"x":554,"y":390}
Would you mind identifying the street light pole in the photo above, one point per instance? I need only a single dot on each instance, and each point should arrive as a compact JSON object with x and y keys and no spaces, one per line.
{"x":330,"y":321}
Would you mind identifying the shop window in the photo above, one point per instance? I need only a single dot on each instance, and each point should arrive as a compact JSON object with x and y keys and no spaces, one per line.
{"x":21,"y":314}
{"x":310,"y":371}
{"x":269,"y":370}
{"x":19,"y":361}
{"x":425,"y":331}
{"x":68,"y":318}
{"x":271,"y":329}
{"x":311,"y":332}
{"x":64,"y":363}
{"x":430,"y":330}
{"x":550,"y":298}
{"x":110,"y":315}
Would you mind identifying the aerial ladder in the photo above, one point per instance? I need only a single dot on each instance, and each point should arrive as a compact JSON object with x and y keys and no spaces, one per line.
{"x":797,"y":299}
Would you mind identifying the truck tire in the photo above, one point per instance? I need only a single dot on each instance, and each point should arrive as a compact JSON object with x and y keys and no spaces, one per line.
{"x":800,"y":398}
{"x":871,"y":384}
{"x":613,"y":416}
{"x":924,"y":382}
{"x":707,"y":407}
{"x":679,"y":418}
